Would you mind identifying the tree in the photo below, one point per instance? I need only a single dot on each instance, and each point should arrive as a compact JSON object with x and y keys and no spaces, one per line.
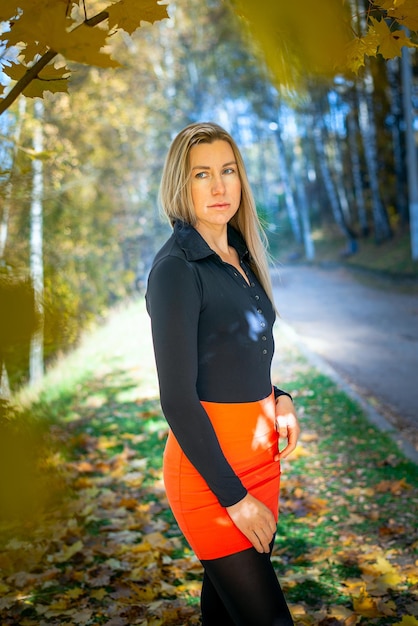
{"x":412,"y":162}
{"x":36,"y":245}
{"x":42,"y":29}
{"x":295,"y":38}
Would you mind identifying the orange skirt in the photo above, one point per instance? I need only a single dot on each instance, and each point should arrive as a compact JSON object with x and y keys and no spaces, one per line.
{"x":248,"y":437}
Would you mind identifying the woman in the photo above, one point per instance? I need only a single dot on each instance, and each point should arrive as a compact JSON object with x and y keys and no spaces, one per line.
{"x":211,"y":306}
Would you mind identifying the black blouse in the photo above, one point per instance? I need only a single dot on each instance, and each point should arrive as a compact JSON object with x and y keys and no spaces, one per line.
{"x":213,"y":341}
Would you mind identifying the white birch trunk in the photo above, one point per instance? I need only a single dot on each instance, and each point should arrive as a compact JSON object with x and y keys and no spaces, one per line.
{"x":330,"y":185}
{"x":300,"y":176}
{"x":287,"y":188}
{"x":368,"y":133}
{"x":36,"y":364}
{"x":411,"y":150}
{"x":5,"y":392}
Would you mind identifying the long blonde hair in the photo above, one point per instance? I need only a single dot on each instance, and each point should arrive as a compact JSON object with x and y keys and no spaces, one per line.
{"x":176,"y":200}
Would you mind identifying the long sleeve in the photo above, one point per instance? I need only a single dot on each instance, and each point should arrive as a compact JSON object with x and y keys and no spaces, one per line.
{"x":174,"y":301}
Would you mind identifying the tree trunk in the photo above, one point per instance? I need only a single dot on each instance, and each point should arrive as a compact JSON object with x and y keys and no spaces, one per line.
{"x":352,"y":131}
{"x":398,"y":147}
{"x":367,"y":125}
{"x":330,"y":186}
{"x":36,"y":364}
{"x":300,"y":176}
{"x":411,"y":150}
{"x":333,"y":138}
{"x":287,"y":188}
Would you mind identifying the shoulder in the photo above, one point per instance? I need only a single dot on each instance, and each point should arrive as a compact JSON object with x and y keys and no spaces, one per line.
{"x":172,"y":276}
{"x":170,"y":261}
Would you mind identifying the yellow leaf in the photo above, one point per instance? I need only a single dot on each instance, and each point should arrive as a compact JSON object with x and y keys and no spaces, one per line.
{"x":339,"y":612}
{"x":145,"y":594}
{"x":98,"y":594}
{"x":405,"y":13}
{"x":192,"y":587}
{"x":383,"y":571}
{"x":407,"y":620}
{"x":8,"y":9}
{"x":298,"y":38}
{"x":59,"y":605}
{"x":15,"y":71}
{"x":365,"y":605}
{"x":74,"y":593}
{"x":49,"y":79}
{"x":128,"y":14}
{"x":31,"y":50}
{"x":30,"y":19}
{"x":53,"y":30}
{"x":390,"y":46}
{"x":69,"y":552}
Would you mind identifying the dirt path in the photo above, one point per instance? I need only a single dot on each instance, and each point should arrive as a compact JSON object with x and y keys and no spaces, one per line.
{"x":368,"y":335}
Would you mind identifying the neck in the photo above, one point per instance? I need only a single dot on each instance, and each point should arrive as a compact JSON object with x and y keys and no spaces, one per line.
{"x":216,"y":237}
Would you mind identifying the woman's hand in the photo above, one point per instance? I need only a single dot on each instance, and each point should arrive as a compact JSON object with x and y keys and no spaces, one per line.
{"x":255,"y":521}
{"x":287,"y":425}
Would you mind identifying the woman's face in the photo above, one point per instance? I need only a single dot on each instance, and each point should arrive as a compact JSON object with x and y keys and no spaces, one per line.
{"x":215,"y":183}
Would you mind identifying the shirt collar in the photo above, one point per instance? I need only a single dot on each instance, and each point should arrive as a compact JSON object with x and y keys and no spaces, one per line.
{"x":196,"y":248}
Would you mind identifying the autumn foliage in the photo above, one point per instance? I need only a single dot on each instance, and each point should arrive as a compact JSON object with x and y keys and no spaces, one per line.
{"x":306,"y":39}
{"x":49,"y":33}
{"x":296,"y":39}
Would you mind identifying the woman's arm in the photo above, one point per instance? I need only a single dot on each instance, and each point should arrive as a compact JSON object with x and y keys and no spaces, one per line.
{"x":174,"y":301}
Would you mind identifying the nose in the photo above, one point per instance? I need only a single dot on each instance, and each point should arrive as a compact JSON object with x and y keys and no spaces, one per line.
{"x":218,"y":185}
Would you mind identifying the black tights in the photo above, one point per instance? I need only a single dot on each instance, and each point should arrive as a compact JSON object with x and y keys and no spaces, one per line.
{"x":242,"y":590}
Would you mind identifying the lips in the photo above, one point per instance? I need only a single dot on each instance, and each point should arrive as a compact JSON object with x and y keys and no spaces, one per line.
{"x":219,"y":205}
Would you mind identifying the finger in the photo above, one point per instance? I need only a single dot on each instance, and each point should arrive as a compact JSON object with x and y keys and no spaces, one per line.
{"x":291,"y":445}
{"x":263,"y":541}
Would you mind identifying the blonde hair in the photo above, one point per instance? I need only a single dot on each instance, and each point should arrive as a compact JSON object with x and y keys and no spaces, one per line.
{"x":176,"y":200}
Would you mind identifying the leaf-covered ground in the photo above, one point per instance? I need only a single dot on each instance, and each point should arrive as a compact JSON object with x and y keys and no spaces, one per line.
{"x":87,"y":536}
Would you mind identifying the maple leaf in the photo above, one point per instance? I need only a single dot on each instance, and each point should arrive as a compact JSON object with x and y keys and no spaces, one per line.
{"x":9,"y":9}
{"x":387,"y":4}
{"x":407,"y":620}
{"x":49,"y":79}
{"x":32,"y":50}
{"x":405,"y":12}
{"x":358,"y":49}
{"x":69,"y":552}
{"x":390,"y":42}
{"x":128,"y":14}
{"x":365,"y":605}
{"x":296,"y":38}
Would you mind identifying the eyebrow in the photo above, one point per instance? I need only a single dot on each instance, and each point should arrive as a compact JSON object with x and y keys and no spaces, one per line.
{"x":206,"y":167}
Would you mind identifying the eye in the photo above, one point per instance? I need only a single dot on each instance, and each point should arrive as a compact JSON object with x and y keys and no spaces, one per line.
{"x":229,"y":170}
{"x":201,"y":175}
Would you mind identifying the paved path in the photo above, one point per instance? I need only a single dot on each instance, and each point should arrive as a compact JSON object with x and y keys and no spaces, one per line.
{"x":368,"y":335}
